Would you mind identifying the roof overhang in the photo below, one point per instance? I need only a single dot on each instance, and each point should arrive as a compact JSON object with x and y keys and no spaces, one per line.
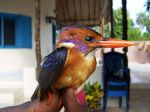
{"x":85,"y":12}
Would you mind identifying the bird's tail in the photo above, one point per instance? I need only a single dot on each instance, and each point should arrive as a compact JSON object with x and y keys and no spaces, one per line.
{"x":36,"y":93}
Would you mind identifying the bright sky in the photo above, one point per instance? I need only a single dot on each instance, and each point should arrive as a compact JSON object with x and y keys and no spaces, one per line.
{"x":133,"y":6}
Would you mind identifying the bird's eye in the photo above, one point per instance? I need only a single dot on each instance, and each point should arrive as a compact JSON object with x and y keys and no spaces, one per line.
{"x":89,"y":39}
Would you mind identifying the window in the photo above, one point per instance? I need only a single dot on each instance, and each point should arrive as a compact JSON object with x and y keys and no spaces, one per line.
{"x":15,"y":31}
{"x":9,"y":31}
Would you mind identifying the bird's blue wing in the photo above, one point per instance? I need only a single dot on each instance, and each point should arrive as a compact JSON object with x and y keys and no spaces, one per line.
{"x":51,"y":69}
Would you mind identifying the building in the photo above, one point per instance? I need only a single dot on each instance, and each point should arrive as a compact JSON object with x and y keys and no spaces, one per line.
{"x":18,"y":57}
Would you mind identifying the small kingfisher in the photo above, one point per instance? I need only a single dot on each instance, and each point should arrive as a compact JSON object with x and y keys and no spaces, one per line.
{"x":72,"y":62}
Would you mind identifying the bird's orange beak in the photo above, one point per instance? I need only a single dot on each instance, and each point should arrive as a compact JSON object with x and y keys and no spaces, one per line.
{"x":111,"y":43}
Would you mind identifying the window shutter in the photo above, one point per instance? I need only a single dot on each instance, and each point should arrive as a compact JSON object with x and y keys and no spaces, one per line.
{"x":23,"y":32}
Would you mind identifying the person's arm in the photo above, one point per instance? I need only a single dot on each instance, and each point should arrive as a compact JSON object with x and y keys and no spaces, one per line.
{"x":25,"y":107}
{"x":70,"y":102}
{"x":37,"y":106}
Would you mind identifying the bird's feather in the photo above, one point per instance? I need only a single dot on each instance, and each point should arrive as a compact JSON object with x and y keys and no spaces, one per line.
{"x":50,"y":70}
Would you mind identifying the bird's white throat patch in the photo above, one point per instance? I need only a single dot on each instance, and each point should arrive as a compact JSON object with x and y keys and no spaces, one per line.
{"x":67,"y":44}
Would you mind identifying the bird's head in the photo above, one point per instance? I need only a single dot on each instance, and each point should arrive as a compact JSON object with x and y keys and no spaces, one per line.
{"x":86,"y":40}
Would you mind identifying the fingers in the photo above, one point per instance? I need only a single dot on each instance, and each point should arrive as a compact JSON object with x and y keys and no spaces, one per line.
{"x":68,"y":99}
{"x":80,"y":96}
{"x":71,"y":103}
{"x":79,"y":89}
{"x":54,"y":101}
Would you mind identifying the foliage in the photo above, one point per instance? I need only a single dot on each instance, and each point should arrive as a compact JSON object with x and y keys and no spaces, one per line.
{"x":93,"y":95}
{"x":148,"y":6}
{"x":134,"y":33}
{"x":146,"y":35}
{"x":118,"y":23}
{"x":143,"y":20}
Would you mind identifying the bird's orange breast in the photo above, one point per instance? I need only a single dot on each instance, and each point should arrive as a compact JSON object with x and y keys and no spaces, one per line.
{"x":77,"y":69}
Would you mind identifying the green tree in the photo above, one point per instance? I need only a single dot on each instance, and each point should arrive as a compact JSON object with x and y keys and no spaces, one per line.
{"x":133,"y":33}
{"x":143,"y":20}
{"x":118,"y":23}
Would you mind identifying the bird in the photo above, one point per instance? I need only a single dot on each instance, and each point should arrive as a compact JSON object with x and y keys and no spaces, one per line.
{"x":73,"y":60}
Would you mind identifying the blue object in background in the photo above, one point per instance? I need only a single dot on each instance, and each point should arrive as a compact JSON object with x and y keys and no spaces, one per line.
{"x":15,"y":31}
{"x":116,"y":78}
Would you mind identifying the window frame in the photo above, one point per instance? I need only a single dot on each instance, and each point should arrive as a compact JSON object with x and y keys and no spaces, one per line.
{"x":16,"y":42}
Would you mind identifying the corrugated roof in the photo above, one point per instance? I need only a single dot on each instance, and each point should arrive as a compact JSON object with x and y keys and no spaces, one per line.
{"x":85,"y":12}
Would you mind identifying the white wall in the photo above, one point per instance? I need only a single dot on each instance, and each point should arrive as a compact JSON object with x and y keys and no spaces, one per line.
{"x":18,"y":58}
{"x":22,"y":58}
{"x":17,"y":66}
{"x":47,"y":9}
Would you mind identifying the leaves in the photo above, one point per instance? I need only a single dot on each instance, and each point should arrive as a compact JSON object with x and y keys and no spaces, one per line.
{"x":141,"y":32}
{"x":94,"y":95}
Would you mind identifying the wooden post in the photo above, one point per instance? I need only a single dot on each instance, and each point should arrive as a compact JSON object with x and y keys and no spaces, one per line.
{"x":102,"y":26}
{"x":37,"y":37}
{"x":111,"y":19}
{"x":125,"y":26}
{"x":102,"y":33}
{"x":124,"y":20}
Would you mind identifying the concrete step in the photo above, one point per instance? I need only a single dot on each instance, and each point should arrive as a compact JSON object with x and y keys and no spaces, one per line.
{"x":11,"y":92}
{"x":6,"y":98}
{"x":17,"y":87}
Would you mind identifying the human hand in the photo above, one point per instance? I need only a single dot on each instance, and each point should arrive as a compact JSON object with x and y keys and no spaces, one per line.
{"x":72,"y":103}
{"x":51,"y":103}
